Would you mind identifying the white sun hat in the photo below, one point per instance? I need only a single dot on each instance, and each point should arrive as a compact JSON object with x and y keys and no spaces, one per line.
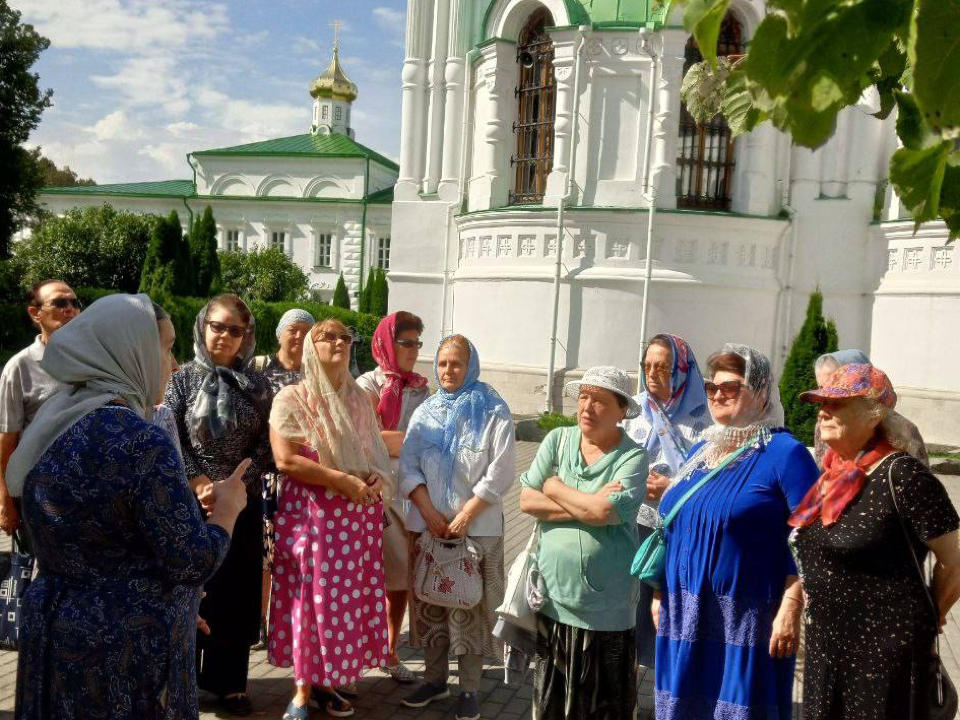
{"x":609,"y":378}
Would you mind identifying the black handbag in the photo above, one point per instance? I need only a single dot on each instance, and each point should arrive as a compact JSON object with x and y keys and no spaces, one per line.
{"x":16,"y":571}
{"x":941,"y":701}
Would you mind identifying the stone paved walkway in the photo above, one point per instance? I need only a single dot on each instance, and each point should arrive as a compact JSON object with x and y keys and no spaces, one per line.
{"x":270,"y":688}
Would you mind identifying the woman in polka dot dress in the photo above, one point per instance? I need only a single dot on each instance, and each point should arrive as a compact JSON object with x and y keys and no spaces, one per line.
{"x":328,"y":609}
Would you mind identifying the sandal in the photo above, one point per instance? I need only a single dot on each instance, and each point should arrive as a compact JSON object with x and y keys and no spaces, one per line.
{"x":296,"y":712}
{"x":331,"y":701}
{"x":401,"y":673}
{"x":349,"y":690}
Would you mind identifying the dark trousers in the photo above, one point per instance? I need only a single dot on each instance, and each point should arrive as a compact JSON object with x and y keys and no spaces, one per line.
{"x":222,"y":668}
{"x":646,"y":634}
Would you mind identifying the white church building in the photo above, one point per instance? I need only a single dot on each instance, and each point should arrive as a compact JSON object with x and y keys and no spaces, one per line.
{"x":322,"y":197}
{"x":520,"y":219}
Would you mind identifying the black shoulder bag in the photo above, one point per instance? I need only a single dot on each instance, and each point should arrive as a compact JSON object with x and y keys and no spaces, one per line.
{"x":941,"y":701}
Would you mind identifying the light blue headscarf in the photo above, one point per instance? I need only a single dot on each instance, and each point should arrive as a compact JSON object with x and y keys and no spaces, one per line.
{"x":455,"y":420}
{"x":844,"y":357}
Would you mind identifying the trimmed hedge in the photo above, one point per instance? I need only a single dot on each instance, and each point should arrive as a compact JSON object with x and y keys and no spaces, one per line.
{"x":16,"y":330}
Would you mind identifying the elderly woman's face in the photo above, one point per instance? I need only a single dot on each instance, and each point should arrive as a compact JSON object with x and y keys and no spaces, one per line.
{"x":598,"y":409}
{"x":407,"y":347}
{"x":731,"y":401}
{"x":223,"y":335}
{"x":451,"y":367}
{"x":846,"y":424}
{"x":333,"y":346}
{"x":291,"y":339}
{"x":168,"y":363}
{"x":656,"y":371}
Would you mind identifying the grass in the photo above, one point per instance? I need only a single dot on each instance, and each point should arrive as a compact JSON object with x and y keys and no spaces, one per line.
{"x":945,"y":456}
{"x":549,"y":421}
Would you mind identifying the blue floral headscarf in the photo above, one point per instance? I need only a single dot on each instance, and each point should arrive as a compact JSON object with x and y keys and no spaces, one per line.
{"x":687,"y":404}
{"x":455,"y":420}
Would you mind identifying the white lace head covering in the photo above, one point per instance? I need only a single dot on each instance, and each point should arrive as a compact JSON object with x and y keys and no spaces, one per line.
{"x":762,"y":411}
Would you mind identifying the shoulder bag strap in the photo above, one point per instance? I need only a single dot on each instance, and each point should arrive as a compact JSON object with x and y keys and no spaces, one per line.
{"x":705,"y":479}
{"x":909,"y":541}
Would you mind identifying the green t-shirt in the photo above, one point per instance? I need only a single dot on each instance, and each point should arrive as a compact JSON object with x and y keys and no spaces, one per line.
{"x":586,"y":568}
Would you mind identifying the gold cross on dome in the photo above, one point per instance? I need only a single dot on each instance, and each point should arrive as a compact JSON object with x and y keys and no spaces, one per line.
{"x":336,"y":24}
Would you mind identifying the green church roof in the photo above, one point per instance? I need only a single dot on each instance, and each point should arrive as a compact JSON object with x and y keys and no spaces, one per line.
{"x":602,"y":13}
{"x":307,"y":145}
{"x":160,"y":189}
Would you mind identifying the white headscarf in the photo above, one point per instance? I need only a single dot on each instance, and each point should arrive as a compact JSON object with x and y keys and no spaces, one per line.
{"x":110,"y":351}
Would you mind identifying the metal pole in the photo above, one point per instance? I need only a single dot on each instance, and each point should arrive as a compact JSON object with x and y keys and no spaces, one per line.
{"x":650,"y":191}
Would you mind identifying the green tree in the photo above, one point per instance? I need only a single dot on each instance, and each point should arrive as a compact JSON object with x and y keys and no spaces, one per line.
{"x":377,"y":300}
{"x":363,"y":299}
{"x":21,"y":104}
{"x":89,"y":247}
{"x":816,"y":337}
{"x":204,"y":255}
{"x":266,"y":274}
{"x":57,"y":177}
{"x":808,"y":59}
{"x":341,"y":298}
{"x":168,"y":268}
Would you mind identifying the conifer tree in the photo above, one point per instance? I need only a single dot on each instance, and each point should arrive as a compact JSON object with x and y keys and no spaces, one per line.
{"x":168,"y":267}
{"x":816,"y":337}
{"x":363,"y":301}
{"x":341,"y":298}
{"x":377,"y":297}
{"x":204,"y":255}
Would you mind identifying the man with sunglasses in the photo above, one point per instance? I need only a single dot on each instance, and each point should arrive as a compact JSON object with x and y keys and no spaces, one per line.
{"x":24,"y":385}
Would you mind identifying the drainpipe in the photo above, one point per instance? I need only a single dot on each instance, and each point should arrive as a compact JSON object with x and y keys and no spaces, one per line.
{"x":184,"y":199}
{"x":363,"y":223}
{"x":457,"y":206}
{"x":648,"y":190}
{"x":561,"y":206}
{"x":788,"y":286}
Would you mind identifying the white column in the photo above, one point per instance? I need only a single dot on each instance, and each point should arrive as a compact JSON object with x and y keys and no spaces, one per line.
{"x":757,"y":191}
{"x":834,"y":172}
{"x":455,"y":85}
{"x":435,"y":74}
{"x":496,"y":76}
{"x":805,"y":174}
{"x":564,"y":68}
{"x":413,"y":103}
{"x":666,"y":127}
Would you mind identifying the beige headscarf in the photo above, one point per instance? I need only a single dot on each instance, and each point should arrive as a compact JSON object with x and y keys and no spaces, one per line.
{"x":110,"y":351}
{"x":340,"y":425}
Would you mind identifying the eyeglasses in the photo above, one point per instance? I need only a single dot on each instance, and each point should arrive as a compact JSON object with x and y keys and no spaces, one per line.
{"x":332,"y":338}
{"x":235,"y":331}
{"x":409,"y":344}
{"x":729,"y":389}
{"x":64,"y":303}
{"x":656,"y":369}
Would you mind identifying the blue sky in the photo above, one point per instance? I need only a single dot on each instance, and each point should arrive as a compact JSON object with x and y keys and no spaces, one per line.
{"x":139,"y":83}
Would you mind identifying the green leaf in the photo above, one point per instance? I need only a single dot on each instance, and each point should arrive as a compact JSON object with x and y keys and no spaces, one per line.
{"x":738,"y":107}
{"x":702,"y":89}
{"x":910,"y":126}
{"x":935,"y":56}
{"x":950,"y":198}
{"x":917,"y":176}
{"x":702,"y":18}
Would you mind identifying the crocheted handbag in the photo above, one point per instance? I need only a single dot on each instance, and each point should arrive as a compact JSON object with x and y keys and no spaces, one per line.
{"x":448,"y":572}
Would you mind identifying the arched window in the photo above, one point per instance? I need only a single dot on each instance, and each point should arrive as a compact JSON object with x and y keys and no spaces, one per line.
{"x":533,"y":129}
{"x":705,"y":162}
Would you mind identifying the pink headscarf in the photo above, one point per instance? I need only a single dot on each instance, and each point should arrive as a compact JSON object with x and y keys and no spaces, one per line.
{"x":391,"y":394}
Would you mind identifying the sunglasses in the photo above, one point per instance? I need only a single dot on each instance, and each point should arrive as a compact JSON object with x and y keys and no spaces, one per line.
{"x":656,"y":369}
{"x":234,"y":331}
{"x":64,"y":303}
{"x":729,"y":389}
{"x":332,"y":338}
{"x":409,"y":344}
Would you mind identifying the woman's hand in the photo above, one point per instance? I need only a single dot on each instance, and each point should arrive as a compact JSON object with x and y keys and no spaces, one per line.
{"x":376,"y":483}
{"x":230,"y":495}
{"x":354,"y":489}
{"x":203,"y":489}
{"x":610,"y":489}
{"x":657,"y":484}
{"x":655,"y":609}
{"x":459,"y":525}
{"x":785,"y":638}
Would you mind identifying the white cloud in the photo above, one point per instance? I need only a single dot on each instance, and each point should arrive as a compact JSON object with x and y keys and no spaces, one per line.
{"x":182,"y":129}
{"x":142,"y":27}
{"x":116,"y":126}
{"x":390,"y":18}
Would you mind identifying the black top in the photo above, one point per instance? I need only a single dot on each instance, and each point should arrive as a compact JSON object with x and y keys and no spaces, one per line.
{"x":870,"y":625}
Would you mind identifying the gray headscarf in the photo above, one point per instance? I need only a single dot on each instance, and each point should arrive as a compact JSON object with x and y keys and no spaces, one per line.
{"x":213,"y":413}
{"x":110,"y":351}
{"x":843,"y":357}
{"x":294,"y":315}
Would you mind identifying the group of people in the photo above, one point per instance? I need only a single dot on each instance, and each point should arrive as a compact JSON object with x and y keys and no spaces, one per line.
{"x":181,"y":514}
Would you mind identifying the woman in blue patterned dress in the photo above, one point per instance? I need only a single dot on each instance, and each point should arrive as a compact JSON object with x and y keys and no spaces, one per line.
{"x":729,"y":615}
{"x":109,"y":624}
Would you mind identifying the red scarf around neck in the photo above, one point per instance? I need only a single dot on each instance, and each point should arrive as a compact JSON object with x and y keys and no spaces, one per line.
{"x":841,"y":481}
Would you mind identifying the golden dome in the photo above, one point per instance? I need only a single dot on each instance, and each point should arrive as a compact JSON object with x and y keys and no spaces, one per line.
{"x":334,"y":83}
